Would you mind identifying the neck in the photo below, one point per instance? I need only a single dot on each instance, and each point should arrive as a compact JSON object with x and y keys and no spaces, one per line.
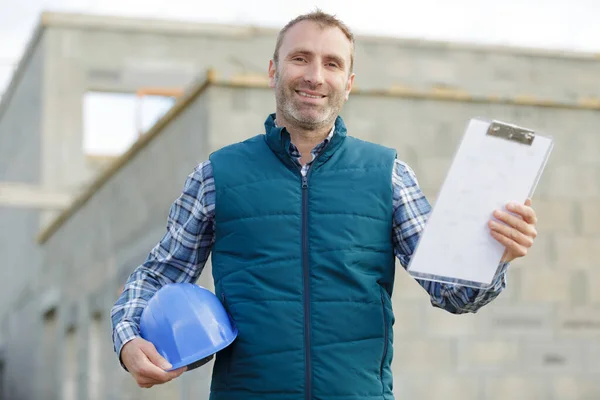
{"x":304,"y":139}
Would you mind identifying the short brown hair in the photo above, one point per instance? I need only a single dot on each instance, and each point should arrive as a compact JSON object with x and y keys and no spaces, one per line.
{"x":325,"y":21}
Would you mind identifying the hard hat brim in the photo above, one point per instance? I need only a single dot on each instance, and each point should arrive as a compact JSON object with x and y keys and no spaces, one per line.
{"x":200,"y":356}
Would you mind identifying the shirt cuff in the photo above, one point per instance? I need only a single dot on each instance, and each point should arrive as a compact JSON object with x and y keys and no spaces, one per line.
{"x":499,"y":280}
{"x":503,"y":267}
{"x":123,"y":333}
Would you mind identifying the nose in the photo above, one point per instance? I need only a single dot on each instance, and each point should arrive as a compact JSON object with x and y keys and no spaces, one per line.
{"x":314,"y":74}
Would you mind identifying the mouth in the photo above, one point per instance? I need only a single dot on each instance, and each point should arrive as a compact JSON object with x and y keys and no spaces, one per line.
{"x":310,"y":95}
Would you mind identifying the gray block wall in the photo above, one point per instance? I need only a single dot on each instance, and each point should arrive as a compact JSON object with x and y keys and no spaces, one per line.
{"x":121,"y":239}
{"x":20,"y":159}
{"x":109,"y":55}
{"x":538,"y":340}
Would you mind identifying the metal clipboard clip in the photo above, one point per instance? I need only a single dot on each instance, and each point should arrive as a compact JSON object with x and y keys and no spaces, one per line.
{"x":511,"y":132}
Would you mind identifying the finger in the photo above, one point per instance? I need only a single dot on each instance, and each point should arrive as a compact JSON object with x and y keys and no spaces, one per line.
{"x":146,"y":370}
{"x":510,"y":245}
{"x":170,"y":375}
{"x":528,"y":202}
{"x":146,"y":382}
{"x":516,"y":223}
{"x":157,"y":372}
{"x":512,"y":233}
{"x":526,"y":212}
{"x":143,"y":381}
{"x":154,"y":356}
{"x":142,"y":377}
{"x":177,"y":372}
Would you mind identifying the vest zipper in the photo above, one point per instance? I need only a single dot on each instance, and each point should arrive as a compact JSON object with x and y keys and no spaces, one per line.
{"x":307,"y":345}
{"x":306,"y":286}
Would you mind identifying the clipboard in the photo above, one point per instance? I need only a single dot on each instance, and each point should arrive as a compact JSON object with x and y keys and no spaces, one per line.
{"x":496,"y":162}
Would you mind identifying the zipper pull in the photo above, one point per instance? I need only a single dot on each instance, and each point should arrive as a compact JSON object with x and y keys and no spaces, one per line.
{"x":304,"y":182}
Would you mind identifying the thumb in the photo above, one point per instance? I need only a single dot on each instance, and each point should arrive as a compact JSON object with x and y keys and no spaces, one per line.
{"x":528,"y":202}
{"x":155,"y":358}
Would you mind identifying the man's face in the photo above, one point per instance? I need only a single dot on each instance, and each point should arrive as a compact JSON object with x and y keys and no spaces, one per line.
{"x":312,"y":79}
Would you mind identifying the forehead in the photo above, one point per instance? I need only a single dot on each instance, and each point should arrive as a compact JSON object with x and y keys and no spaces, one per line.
{"x":318,"y":39}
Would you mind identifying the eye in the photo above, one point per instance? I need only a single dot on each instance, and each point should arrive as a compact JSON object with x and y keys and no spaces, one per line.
{"x":298,"y":58}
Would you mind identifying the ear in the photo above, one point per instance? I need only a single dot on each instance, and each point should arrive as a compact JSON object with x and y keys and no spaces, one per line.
{"x":349,"y":85}
{"x":272,"y":71}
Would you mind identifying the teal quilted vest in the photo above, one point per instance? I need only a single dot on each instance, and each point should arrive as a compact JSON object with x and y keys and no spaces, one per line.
{"x":305,"y":267}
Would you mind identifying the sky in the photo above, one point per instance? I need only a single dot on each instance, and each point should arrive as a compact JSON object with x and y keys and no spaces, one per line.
{"x":554,"y":24}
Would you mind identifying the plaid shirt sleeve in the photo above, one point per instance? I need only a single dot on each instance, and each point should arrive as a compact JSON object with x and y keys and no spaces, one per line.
{"x":180,"y":255}
{"x":411,"y":210}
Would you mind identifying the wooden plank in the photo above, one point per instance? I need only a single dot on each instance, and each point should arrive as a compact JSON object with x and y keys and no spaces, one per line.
{"x":22,"y":195}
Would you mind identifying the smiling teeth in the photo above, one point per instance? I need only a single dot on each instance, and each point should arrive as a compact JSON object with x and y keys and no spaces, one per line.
{"x":308,"y":95}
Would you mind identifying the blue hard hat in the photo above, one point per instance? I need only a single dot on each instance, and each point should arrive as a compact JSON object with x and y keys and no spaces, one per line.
{"x":187,"y":324}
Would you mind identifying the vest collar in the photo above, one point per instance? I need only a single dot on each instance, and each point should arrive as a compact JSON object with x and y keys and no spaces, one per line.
{"x":278,"y":139}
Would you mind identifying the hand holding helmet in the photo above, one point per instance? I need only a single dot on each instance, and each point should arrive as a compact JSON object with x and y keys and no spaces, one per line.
{"x":182,"y":327}
{"x":146,"y":365}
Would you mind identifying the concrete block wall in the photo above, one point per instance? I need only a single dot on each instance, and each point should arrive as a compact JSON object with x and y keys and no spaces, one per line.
{"x":544,"y":326}
{"x":125,"y":55}
{"x":96,"y":58}
{"x":114,"y":232}
{"x":20,"y":159}
{"x":480,"y":71}
{"x":536,"y":341}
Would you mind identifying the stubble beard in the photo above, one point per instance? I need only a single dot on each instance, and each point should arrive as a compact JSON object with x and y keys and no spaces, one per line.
{"x":292,"y":110}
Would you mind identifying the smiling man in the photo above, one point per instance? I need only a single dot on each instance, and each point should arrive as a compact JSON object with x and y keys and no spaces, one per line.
{"x":304,"y":223}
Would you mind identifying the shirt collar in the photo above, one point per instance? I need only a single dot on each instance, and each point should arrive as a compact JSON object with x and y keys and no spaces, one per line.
{"x":329,"y":136}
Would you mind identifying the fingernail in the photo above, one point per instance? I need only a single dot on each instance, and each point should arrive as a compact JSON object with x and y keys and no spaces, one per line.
{"x":166,"y":365}
{"x":511,"y":206}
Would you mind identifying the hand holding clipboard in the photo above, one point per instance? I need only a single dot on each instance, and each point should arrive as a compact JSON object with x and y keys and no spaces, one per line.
{"x":496,"y":163}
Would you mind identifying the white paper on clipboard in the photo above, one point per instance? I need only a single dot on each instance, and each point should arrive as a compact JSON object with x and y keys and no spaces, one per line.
{"x":495,"y":163}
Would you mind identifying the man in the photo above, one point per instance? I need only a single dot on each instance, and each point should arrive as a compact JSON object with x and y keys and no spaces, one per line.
{"x":303,"y":224}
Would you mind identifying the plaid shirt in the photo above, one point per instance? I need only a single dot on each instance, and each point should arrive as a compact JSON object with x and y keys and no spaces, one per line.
{"x":181,"y":254}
